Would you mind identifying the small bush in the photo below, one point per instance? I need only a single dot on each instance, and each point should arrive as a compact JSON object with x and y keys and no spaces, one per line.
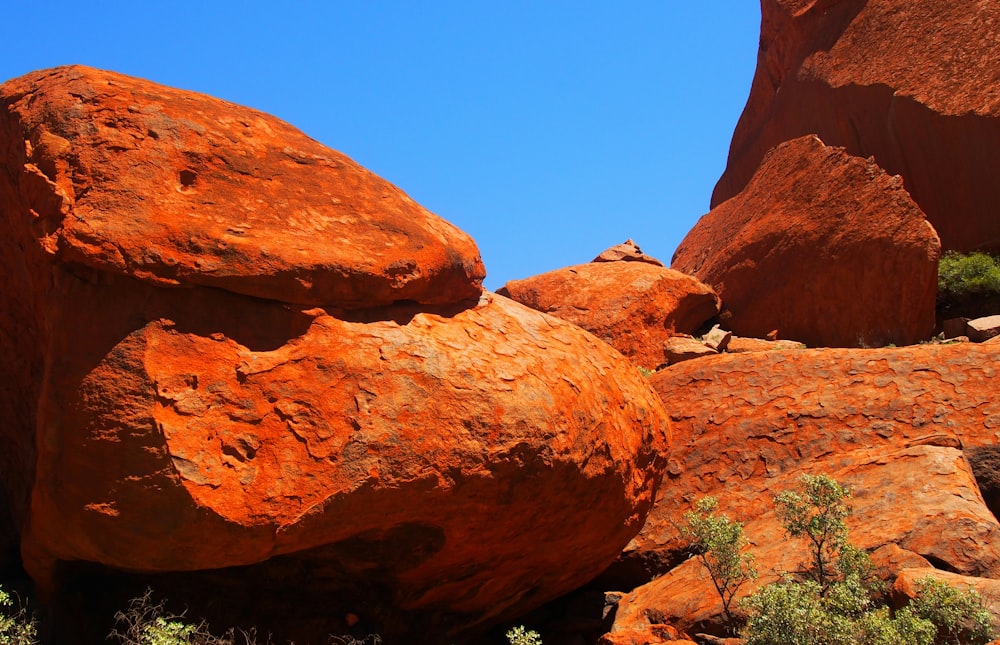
{"x":961,"y":275}
{"x":17,"y":627}
{"x":719,"y":544}
{"x":145,"y":622}
{"x":521,"y":636}
{"x":960,"y":615}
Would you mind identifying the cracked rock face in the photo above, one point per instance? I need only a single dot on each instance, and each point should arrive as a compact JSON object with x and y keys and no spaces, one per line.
{"x":234,"y":357}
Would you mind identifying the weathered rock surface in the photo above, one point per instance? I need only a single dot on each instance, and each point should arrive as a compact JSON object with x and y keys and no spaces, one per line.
{"x":982,"y":329}
{"x":431,"y":465}
{"x":627,"y":251}
{"x":178,"y":188}
{"x":739,"y":344}
{"x":740,"y":421}
{"x":824,"y":247}
{"x":914,"y":83}
{"x":920,"y":500}
{"x":685,"y":348}
{"x":633,"y":306}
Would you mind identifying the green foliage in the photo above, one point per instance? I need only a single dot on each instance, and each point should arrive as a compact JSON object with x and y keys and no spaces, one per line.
{"x":719,"y":544}
{"x":960,"y":615}
{"x":817,"y":512}
{"x":145,"y":622}
{"x":521,"y":636}
{"x":16,"y":626}
{"x":961,"y":275}
{"x":835,"y":603}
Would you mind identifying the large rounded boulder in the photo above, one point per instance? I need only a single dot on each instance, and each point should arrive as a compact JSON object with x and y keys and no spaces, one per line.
{"x":242,"y":369}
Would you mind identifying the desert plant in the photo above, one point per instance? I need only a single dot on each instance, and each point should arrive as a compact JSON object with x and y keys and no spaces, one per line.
{"x":521,"y":636}
{"x":719,"y":544}
{"x":960,"y":616}
{"x":17,"y":627}
{"x":145,"y":622}
{"x":835,"y":603}
{"x":961,"y":274}
{"x":817,"y":511}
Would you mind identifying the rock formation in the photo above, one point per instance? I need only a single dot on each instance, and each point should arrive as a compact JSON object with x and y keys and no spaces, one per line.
{"x":635,"y":306}
{"x":824,"y":247}
{"x":235,"y":358}
{"x":912,"y":83}
{"x":921,"y":501}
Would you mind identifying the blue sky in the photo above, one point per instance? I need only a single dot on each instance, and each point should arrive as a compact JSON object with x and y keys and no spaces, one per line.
{"x":547,"y":130}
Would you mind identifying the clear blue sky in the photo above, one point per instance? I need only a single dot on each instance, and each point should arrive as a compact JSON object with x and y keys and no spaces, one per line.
{"x":547,"y":130}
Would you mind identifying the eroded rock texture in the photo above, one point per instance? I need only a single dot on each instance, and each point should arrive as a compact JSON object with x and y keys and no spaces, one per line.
{"x":635,"y":306}
{"x":822,"y":247}
{"x":914,"y":83}
{"x":238,"y":361}
{"x":741,"y":421}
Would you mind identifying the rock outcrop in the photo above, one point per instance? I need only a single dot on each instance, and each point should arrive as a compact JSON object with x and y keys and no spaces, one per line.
{"x":913,"y":431}
{"x":236,"y":360}
{"x":634,"y":306}
{"x":741,"y":421}
{"x":823,"y":247}
{"x":922,"y":501}
{"x":916,"y":84}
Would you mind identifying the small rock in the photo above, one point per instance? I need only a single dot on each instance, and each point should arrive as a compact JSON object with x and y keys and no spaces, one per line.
{"x":981,"y":330}
{"x":628,"y":251}
{"x":684,"y":348}
{"x":717,"y":339}
{"x":954,"y":327}
{"x":738,"y":345}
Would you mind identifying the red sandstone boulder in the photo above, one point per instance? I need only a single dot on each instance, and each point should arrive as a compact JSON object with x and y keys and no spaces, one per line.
{"x":201,"y":426}
{"x":824,"y":247}
{"x":180,"y":189}
{"x":916,"y":83}
{"x":633,"y":306}
{"x":919,"y":500}
{"x":742,"y":421}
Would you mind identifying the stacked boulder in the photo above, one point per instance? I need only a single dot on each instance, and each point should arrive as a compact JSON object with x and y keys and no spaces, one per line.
{"x":235,"y":360}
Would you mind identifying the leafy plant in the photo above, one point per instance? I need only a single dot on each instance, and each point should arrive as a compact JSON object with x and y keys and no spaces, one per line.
{"x":835,"y":603}
{"x":16,"y":626}
{"x":145,"y":622}
{"x":960,"y":616}
{"x":964,"y":274}
{"x":719,"y":543}
{"x":817,"y":511}
{"x":521,"y":636}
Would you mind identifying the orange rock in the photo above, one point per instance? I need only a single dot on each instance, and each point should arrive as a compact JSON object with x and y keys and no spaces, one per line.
{"x":627,"y":251}
{"x":434,"y":465}
{"x":919,"y":500}
{"x":914,"y":83}
{"x":740,"y":421}
{"x":633,"y":306}
{"x":823,"y":246}
{"x":180,"y":189}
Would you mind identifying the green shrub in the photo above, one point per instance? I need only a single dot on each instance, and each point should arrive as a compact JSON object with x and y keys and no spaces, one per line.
{"x":719,"y":544}
{"x":835,"y":603}
{"x":16,"y":626}
{"x":521,"y":636}
{"x":960,"y":616}
{"x":961,"y":275}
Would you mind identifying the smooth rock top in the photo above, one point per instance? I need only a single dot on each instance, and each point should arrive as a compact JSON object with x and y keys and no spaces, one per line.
{"x":823,"y":247}
{"x":914,"y":83}
{"x":179,"y":188}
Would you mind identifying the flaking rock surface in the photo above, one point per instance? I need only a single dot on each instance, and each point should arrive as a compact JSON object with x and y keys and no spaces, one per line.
{"x":210,"y":381}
